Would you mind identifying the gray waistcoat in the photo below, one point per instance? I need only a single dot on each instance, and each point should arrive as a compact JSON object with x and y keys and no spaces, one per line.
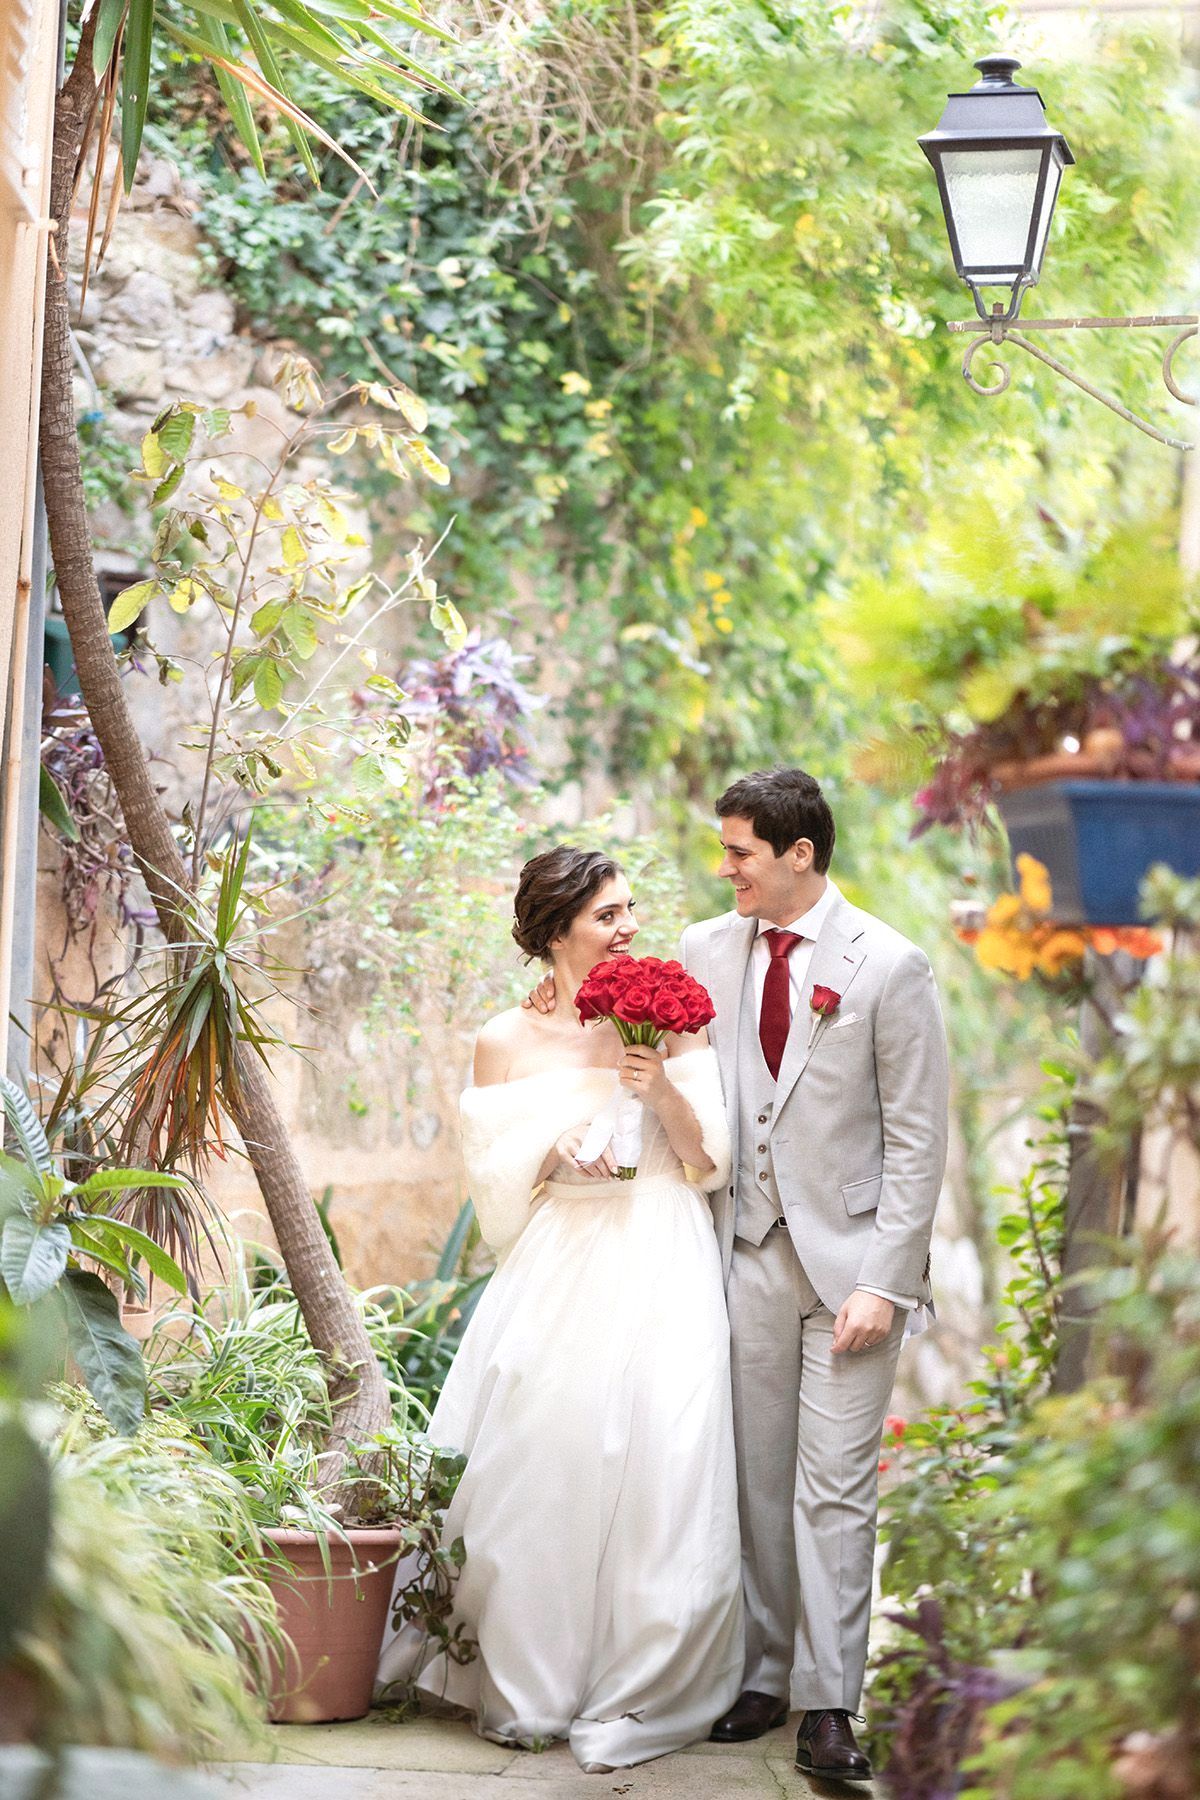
{"x":758,"y":1203}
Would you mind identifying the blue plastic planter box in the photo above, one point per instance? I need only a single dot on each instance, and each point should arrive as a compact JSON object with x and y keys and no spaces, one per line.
{"x":1099,"y":838}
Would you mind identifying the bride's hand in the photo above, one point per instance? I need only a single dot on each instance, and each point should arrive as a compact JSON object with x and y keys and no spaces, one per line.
{"x":643,"y":1075}
{"x":603,"y":1169}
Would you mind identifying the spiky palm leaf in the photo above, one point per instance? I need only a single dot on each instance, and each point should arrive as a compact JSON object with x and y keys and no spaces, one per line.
{"x":253,"y":48}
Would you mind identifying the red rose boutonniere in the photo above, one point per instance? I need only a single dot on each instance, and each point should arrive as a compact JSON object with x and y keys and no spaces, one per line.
{"x":823,"y":1001}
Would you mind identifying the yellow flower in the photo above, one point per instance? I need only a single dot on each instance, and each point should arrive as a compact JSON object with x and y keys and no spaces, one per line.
{"x":575,"y":383}
{"x":723,"y":624}
{"x":711,"y":579}
{"x":1060,"y":949}
{"x":1003,"y":910}
{"x":1035,"y":883}
{"x":598,"y":409}
{"x":697,"y":517}
{"x":1009,"y":952}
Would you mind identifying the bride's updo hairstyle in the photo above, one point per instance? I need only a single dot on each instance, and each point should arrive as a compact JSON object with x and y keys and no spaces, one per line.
{"x":553,"y":890}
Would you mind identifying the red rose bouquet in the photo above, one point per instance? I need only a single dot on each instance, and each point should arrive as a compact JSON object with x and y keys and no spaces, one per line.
{"x":645,"y":998}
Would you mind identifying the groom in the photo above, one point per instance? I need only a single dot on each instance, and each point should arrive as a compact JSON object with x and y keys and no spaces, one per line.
{"x":833,"y":1061}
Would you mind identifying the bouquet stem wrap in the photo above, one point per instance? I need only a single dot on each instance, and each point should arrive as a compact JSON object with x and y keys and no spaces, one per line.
{"x":627,"y":1127}
{"x":645,"y":999}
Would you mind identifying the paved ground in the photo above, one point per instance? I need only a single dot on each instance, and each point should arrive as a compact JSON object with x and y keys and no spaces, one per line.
{"x":435,"y":1759}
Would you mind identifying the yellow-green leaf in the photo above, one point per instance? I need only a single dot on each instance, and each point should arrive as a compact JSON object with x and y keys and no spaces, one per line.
{"x":129,"y":605}
{"x":184,"y":594}
{"x":333,"y":519}
{"x":272,"y":510}
{"x":155,"y":460}
{"x":391,"y":455}
{"x":268,"y":683}
{"x":445,"y":617}
{"x":342,"y":442}
{"x":300,"y":629}
{"x":228,"y":490}
{"x":303,"y":761}
{"x":293,"y":547}
{"x":436,"y":470}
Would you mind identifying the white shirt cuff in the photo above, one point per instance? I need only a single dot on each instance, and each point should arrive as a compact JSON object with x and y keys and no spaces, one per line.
{"x":908,"y":1301}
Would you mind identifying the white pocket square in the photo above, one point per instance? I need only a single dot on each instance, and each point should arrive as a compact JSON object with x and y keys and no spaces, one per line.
{"x":850,"y":1019}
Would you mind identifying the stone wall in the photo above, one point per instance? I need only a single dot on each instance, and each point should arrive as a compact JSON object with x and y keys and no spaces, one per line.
{"x":373,"y":1118}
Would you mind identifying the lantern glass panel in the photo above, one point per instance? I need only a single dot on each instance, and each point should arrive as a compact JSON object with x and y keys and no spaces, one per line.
{"x":992,"y":194}
{"x":1053,"y":177}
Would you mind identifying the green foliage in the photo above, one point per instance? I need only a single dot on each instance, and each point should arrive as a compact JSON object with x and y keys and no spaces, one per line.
{"x":1045,"y":1551}
{"x":682,"y":328}
{"x":985,"y":615}
{"x":951,"y":1456}
{"x":1149,"y":1077}
{"x":345,"y":40}
{"x":155,"y":1626}
{"x":104,"y":459}
{"x":55,"y":1232}
{"x":1102,"y":1490}
{"x":247,"y":1385}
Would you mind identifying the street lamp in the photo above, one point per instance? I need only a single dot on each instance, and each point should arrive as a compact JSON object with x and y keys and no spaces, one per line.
{"x":999,"y":164}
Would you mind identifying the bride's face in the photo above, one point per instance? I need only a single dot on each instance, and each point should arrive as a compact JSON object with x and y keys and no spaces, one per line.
{"x":604,"y":926}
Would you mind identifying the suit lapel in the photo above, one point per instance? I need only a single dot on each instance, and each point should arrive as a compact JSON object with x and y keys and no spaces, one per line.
{"x":729,"y":954}
{"x":836,"y":960}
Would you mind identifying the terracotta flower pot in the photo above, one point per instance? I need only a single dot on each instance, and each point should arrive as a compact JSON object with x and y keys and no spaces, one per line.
{"x":335,"y":1625}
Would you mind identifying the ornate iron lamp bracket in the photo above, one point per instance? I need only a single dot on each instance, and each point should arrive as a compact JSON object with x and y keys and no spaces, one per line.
{"x":1000,"y":330}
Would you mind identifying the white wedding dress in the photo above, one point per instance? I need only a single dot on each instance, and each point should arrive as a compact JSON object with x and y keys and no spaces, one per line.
{"x":591,"y":1395}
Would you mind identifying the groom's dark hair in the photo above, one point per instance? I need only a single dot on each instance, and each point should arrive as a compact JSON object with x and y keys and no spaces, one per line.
{"x":783,"y":805}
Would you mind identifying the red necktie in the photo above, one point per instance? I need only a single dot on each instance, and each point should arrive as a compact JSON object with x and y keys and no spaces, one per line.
{"x":774,"y":1021}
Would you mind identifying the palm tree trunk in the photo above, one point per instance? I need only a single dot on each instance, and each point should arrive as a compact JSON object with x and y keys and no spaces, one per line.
{"x":357,"y":1388}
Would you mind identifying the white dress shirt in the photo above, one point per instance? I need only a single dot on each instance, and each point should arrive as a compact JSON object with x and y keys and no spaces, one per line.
{"x":807,"y":926}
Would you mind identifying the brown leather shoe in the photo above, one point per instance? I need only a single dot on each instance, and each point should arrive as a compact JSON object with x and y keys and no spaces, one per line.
{"x":825,"y":1747}
{"x":750,"y":1716}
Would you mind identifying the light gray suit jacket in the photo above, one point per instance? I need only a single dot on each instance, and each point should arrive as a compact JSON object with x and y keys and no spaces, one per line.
{"x":859,"y":1126}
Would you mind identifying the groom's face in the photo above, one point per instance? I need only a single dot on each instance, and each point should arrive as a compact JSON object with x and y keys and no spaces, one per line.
{"x":765,"y":886}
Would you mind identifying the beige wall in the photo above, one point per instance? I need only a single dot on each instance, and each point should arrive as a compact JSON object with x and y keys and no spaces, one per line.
{"x":28,"y":68}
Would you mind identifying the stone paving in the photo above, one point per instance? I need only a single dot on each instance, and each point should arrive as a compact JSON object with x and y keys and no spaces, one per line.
{"x":437,"y":1759}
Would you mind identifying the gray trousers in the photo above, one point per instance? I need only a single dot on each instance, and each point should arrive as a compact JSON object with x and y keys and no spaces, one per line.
{"x":808,"y":1427}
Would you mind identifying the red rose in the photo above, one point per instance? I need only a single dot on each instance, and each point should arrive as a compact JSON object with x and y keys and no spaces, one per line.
{"x":634,"y":1003}
{"x":670,"y":1013}
{"x":701,"y":1010}
{"x":824,"y":1001}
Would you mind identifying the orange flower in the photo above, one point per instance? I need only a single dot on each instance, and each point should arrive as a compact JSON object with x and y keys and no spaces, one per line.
{"x":1135,"y":940}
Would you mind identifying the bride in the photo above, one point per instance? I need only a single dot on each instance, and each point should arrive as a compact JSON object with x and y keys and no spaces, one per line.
{"x":598,"y":1506}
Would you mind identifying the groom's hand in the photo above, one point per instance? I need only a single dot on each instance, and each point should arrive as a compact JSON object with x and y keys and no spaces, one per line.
{"x":543,"y":996}
{"x":863,"y":1322}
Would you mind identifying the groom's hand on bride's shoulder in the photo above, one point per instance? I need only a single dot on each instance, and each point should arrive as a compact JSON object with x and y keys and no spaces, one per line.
{"x":542,"y":997}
